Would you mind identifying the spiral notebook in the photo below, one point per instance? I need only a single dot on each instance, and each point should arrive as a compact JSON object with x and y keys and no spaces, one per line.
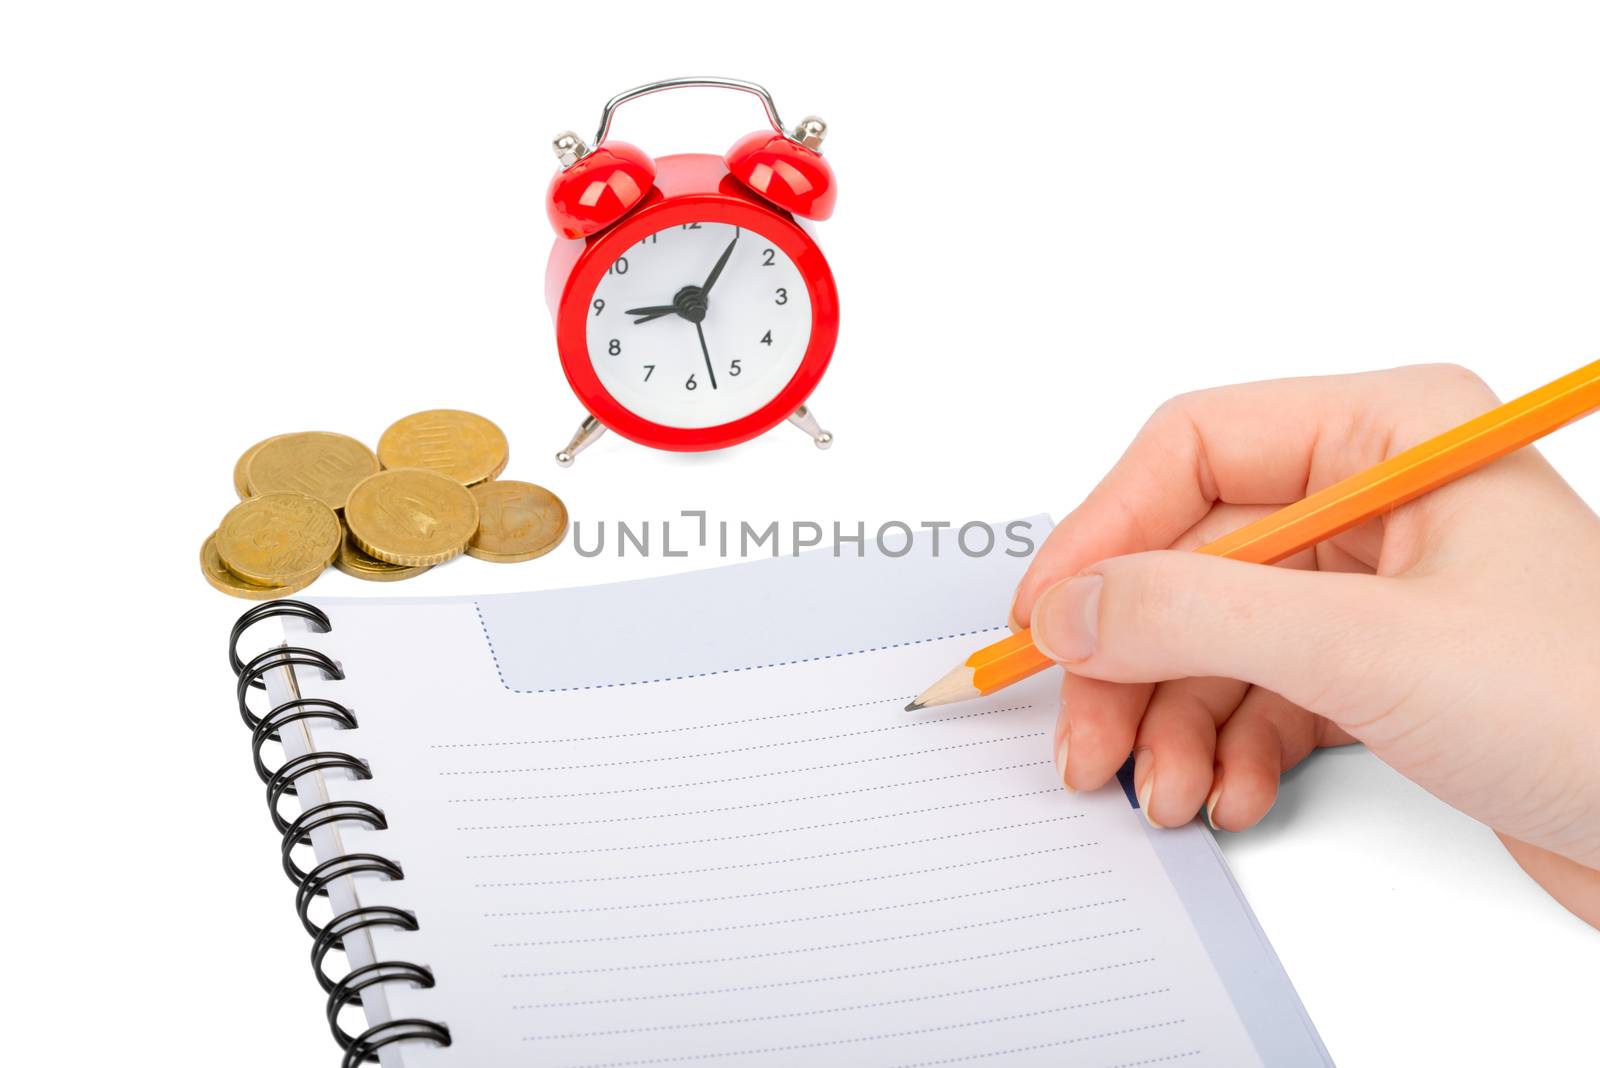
{"x":685,"y":821}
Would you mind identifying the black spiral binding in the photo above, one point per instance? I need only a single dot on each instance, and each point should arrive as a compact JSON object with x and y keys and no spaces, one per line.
{"x":309,"y":885}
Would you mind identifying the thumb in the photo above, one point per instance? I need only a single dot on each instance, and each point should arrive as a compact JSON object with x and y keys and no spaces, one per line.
{"x":1335,"y":643}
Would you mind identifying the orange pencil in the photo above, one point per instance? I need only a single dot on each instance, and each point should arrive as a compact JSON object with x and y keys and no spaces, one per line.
{"x":1325,"y":513}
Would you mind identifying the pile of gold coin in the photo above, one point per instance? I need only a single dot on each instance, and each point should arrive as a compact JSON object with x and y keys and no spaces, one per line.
{"x":429,"y":494}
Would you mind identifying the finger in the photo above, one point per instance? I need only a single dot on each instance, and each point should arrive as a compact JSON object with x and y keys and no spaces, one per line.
{"x":1577,"y":887}
{"x":1341,"y":645}
{"x":1226,"y":518}
{"x":1250,"y":760}
{"x":1261,"y":443}
{"x":1095,"y":729}
{"x":1265,"y":737}
{"x":1221,"y":519}
{"x":1176,"y":743}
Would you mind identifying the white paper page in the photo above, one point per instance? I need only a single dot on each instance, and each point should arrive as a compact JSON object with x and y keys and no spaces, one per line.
{"x":758,"y":865}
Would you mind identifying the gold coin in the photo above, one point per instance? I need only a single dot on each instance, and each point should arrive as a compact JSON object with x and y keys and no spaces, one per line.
{"x":278,"y":538}
{"x":411,"y":517}
{"x":516,"y":521}
{"x":352,"y":561}
{"x":315,"y":463}
{"x":220,"y":577}
{"x":460,"y":445}
{"x":241,"y":477}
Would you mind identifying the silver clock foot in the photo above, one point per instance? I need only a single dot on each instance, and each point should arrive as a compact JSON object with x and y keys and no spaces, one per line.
{"x":588,"y":431}
{"x":803,"y":419}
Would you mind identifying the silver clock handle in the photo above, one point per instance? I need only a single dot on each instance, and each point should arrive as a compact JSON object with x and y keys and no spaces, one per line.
{"x":691,"y":83}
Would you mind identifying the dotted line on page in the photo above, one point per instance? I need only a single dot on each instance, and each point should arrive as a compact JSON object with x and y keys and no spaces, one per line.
{"x":856,"y":1008}
{"x":819,"y":916}
{"x":1159,"y":1060}
{"x":588,"y":909}
{"x":498,"y":670}
{"x":670,"y":730}
{"x":767,"y":834}
{"x":779,"y":860}
{"x":712,"y":782}
{"x":748,"y":805}
{"x":837,"y":945}
{"x":856,"y":1039}
{"x":1039,"y":1045}
{"x":832,"y":979}
{"x":743,"y":748}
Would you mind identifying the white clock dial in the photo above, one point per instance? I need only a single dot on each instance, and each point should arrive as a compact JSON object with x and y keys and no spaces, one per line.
{"x":699,"y":324}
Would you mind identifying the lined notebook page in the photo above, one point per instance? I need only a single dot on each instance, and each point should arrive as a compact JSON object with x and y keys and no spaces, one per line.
{"x":760,"y":864}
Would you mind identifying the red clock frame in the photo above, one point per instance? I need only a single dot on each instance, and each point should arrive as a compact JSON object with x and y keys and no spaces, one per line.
{"x":688,"y":188}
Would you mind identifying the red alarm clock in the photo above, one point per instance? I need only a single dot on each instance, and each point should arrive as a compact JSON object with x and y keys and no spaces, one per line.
{"x":693,"y":309}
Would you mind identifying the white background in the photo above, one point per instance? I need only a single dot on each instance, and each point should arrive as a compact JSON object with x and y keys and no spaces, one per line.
{"x":222,"y":221}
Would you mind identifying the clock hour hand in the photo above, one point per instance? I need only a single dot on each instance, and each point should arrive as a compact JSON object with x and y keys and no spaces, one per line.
{"x":655,"y":311}
{"x":691,"y":300}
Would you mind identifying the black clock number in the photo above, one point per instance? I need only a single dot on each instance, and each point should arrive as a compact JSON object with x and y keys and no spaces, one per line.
{"x":782,"y":297}
{"x":734,"y":369}
{"x":649,"y":369}
{"x":620,"y":267}
{"x":767,"y":256}
{"x":691,"y":384}
{"x":615,"y":348}
{"x":599,"y":306}
{"x":766,"y":339}
{"x":691,"y":226}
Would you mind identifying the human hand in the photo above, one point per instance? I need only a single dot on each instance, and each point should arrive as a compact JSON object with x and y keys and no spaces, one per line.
{"x":1458,"y":637}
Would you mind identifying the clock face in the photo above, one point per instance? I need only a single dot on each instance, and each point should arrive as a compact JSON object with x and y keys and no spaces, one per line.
{"x":699,"y":324}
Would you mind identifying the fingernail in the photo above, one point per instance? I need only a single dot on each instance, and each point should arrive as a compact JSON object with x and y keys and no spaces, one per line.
{"x":1011,"y":614}
{"x":1145,"y":772}
{"x":1211,"y":804}
{"x":1061,"y":759}
{"x":1066,"y":619}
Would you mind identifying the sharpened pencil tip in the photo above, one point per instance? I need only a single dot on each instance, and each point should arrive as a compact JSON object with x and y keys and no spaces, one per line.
{"x":956,"y":686}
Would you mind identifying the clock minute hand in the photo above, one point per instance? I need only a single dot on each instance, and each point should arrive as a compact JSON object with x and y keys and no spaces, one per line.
{"x":716,"y":272}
